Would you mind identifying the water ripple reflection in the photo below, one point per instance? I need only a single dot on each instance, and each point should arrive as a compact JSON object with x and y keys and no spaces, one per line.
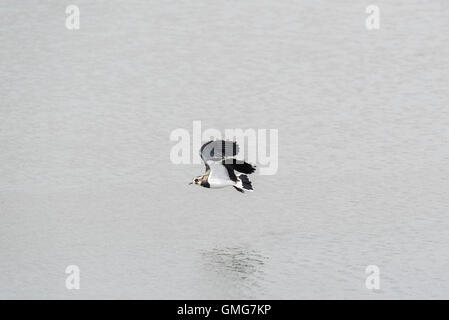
{"x":237,"y":269}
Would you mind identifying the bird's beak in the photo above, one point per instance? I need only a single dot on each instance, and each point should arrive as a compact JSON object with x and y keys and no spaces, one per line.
{"x":190,"y":183}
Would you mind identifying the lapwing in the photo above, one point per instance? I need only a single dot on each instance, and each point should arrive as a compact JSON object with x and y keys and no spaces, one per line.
{"x":221,"y":164}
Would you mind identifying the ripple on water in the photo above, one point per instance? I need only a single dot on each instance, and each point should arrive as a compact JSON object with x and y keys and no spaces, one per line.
{"x":236,"y":269}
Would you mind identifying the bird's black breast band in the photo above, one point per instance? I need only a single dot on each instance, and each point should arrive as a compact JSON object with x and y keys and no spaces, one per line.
{"x":205,"y":184}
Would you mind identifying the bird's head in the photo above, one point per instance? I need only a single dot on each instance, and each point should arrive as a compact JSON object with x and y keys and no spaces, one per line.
{"x":196,"y":180}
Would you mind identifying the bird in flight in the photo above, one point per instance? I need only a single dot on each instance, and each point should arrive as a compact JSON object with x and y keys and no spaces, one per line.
{"x":221,"y":164}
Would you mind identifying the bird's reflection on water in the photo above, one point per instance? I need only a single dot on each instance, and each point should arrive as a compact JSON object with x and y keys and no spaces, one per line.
{"x":237,"y":267}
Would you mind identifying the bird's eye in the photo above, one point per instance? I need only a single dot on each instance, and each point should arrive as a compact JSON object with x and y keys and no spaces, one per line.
{"x":196,"y":180}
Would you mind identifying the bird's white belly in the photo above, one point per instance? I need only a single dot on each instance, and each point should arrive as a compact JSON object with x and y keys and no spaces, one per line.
{"x":219,"y":183}
{"x":219,"y":177}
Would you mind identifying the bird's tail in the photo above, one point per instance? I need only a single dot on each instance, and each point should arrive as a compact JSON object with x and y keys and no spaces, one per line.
{"x":243,"y":184}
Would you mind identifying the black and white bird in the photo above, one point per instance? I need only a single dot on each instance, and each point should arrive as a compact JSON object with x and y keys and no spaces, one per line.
{"x":221,"y":164}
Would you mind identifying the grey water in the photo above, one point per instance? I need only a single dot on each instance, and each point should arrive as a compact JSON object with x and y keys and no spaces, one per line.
{"x":85,"y":171}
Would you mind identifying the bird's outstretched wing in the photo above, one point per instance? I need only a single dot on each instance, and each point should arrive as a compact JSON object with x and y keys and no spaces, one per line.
{"x":218,"y":150}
